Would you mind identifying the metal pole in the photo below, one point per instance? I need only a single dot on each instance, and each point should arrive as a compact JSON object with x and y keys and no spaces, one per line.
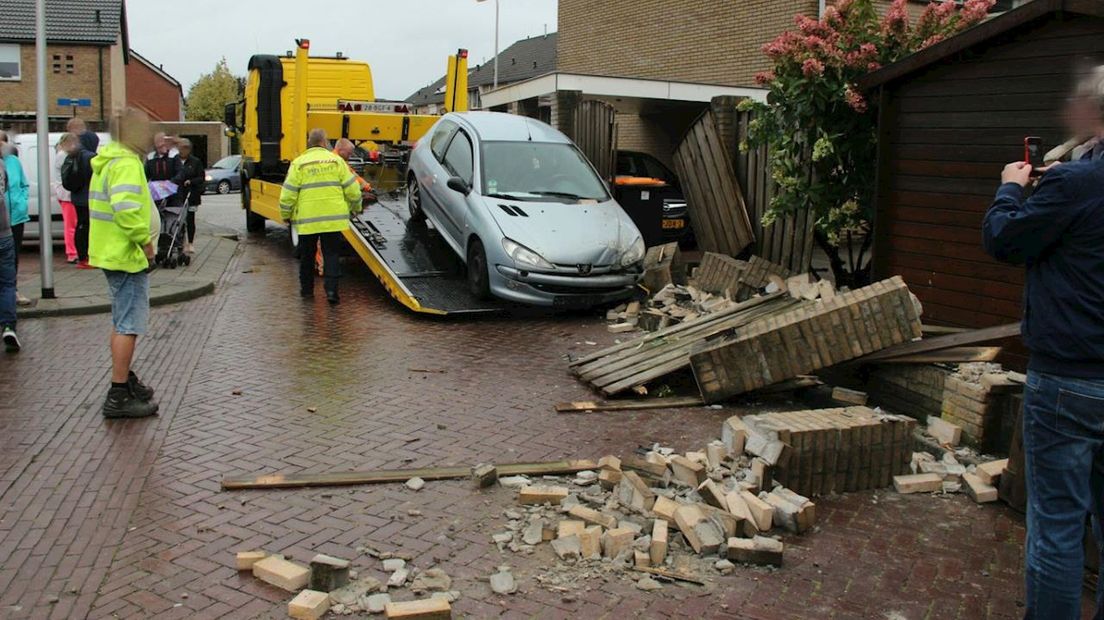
{"x":496,"y":46}
{"x":42,"y":120}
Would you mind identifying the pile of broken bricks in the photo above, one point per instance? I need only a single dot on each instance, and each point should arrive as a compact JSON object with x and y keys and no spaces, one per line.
{"x":664,"y":515}
{"x":329,"y":584}
{"x":947,"y":474}
{"x":717,"y":285}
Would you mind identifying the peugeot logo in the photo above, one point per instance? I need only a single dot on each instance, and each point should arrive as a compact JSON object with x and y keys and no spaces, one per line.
{"x":584,"y":268}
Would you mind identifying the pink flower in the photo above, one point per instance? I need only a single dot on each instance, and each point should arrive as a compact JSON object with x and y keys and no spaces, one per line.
{"x":812,"y":67}
{"x":764,"y":78}
{"x":874,"y":66}
{"x":932,"y":40}
{"x":896,"y":18}
{"x":855,"y":100}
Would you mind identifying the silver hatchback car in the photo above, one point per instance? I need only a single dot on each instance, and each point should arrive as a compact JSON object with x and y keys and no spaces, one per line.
{"x":524,"y":210}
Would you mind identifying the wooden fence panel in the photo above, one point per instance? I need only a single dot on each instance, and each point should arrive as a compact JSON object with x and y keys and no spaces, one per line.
{"x":716,"y":204}
{"x":789,"y":241}
{"x":595,"y":133}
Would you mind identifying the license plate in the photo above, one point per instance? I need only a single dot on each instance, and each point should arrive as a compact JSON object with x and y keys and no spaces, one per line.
{"x":576,"y":301}
{"x":674,"y":224}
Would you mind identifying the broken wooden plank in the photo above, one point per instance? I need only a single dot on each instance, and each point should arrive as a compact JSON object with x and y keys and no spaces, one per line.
{"x":953,"y":355}
{"x":672,"y":402}
{"x":946,"y":342}
{"x":670,"y":574}
{"x":381,"y":476}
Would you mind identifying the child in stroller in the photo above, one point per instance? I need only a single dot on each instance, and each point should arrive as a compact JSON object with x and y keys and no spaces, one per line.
{"x":170,"y":243}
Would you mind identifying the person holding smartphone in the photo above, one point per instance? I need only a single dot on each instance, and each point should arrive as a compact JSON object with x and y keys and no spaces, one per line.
{"x":1058,"y":235}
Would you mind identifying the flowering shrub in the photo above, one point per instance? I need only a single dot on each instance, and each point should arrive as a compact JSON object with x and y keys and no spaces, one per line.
{"x":820,"y":130}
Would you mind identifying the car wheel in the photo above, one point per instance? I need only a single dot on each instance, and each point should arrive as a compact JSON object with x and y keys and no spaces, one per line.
{"x":224,"y":186}
{"x":478,"y":278}
{"x":414,"y":200}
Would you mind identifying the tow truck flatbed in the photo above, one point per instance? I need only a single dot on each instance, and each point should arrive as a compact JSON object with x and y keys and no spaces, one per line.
{"x":413,"y":262}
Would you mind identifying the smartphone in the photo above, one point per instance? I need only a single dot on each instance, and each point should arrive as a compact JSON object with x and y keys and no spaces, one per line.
{"x":1033,"y":152}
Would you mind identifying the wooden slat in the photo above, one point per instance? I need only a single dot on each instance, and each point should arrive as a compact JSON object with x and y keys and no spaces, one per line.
{"x":380,"y":476}
{"x":674,"y":402}
{"x":953,"y":355}
{"x":946,"y":342}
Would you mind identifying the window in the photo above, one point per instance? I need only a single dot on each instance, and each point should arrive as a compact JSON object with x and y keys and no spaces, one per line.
{"x":9,"y":62}
{"x":440,"y":138}
{"x":539,"y":171}
{"x":657,"y":170}
{"x":458,"y":159}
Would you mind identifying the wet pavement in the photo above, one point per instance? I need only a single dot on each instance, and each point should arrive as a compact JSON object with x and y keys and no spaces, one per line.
{"x":126,"y":519}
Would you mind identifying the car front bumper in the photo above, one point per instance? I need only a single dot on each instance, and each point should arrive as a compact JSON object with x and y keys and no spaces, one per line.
{"x":543,"y":289}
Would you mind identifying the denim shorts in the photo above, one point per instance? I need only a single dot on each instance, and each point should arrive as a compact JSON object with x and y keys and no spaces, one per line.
{"x":129,"y":301}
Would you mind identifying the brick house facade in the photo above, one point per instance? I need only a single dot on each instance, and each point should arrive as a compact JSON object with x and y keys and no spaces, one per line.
{"x":151,"y":89}
{"x":87,"y":54}
{"x":700,"y":41}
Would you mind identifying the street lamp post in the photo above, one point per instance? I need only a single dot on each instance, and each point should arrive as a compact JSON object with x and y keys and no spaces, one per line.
{"x":496,"y":43}
{"x":42,"y":120}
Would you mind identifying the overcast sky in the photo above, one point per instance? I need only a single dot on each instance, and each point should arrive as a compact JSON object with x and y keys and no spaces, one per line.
{"x":405,"y":41}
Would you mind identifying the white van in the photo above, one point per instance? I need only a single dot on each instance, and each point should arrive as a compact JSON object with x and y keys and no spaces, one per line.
{"x":27,"y":143}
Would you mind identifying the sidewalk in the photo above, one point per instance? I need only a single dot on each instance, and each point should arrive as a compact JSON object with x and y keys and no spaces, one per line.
{"x":81,"y":291}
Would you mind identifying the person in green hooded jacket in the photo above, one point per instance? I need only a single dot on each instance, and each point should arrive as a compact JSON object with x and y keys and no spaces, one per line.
{"x":122,"y":235}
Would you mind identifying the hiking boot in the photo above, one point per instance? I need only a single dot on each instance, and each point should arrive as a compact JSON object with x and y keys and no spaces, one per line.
{"x":121,"y":403}
{"x":11,"y":341}
{"x":140,"y":390}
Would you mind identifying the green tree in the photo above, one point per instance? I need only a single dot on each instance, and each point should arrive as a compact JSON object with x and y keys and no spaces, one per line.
{"x":209,"y":94}
{"x":821,"y":132}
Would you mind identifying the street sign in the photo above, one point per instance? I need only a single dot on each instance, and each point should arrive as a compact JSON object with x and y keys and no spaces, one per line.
{"x":77,"y":103}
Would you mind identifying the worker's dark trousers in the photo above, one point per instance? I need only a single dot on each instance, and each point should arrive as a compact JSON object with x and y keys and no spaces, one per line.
{"x":1063,"y":434}
{"x":331,"y":257}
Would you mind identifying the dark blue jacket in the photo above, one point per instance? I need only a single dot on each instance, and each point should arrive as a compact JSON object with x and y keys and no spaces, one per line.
{"x":1058,"y":233}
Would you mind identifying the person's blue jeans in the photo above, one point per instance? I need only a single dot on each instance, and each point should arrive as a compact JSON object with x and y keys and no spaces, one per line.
{"x":1063,"y":434}
{"x":7,"y":281}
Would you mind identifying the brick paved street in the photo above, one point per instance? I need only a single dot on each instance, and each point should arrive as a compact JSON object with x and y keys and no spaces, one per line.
{"x":126,"y":519}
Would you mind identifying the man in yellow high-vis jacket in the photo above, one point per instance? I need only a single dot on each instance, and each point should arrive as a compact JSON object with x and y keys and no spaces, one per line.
{"x":122,"y":232}
{"x":319,"y":194}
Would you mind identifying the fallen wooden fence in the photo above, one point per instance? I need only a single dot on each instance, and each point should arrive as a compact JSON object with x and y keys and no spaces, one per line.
{"x":714,"y":200}
{"x":636,"y":362}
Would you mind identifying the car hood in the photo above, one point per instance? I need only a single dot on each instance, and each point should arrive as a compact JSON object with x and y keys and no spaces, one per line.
{"x":566,"y":234}
{"x":220,"y":173}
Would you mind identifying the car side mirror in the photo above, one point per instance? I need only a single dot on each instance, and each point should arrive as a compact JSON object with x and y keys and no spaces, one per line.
{"x":457,"y":184}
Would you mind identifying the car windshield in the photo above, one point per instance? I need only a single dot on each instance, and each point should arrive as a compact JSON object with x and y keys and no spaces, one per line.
{"x":228,"y":163}
{"x":539,"y":171}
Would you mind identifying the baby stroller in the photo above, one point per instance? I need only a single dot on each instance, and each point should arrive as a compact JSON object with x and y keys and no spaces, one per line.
{"x":170,"y":243}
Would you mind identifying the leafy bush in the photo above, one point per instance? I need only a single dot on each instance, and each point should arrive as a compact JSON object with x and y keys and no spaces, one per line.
{"x":821,"y":131}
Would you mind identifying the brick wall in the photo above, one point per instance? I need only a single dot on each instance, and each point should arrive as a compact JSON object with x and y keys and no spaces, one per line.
{"x":637,"y":133}
{"x":149,"y":90}
{"x":83,"y":82}
{"x":706,"y":41}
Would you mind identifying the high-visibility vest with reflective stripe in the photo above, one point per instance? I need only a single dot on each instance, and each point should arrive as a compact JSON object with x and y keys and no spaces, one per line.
{"x":120,"y":210}
{"x":319,"y":193}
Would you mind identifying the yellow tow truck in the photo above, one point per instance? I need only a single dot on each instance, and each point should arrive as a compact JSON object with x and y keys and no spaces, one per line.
{"x":286,"y":97}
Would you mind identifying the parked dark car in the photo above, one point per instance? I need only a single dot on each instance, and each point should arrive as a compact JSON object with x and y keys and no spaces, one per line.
{"x":224,"y":177}
{"x":676,"y":222}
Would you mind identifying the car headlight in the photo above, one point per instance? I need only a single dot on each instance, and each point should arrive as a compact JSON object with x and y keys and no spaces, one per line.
{"x":634,"y":254}
{"x":209,"y":178}
{"x":524,"y":256}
